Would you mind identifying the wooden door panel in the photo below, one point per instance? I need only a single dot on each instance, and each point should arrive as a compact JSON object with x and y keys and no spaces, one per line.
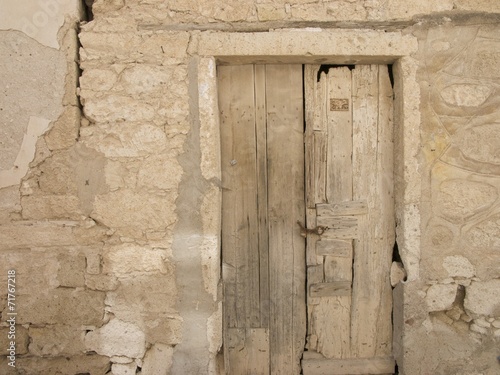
{"x":350,"y":215}
{"x":263,"y":253}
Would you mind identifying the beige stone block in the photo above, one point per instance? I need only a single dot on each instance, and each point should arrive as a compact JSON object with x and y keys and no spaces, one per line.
{"x":271,"y":12}
{"x":158,"y":360}
{"x":466,"y":95}
{"x":26,"y":233}
{"x":10,"y":202}
{"x":77,"y":364}
{"x":93,"y":264}
{"x":21,"y":338}
{"x":459,"y":266}
{"x":441,"y":296}
{"x":43,"y":207}
{"x":56,"y":175}
{"x":160,"y":172}
{"x":56,"y":340}
{"x":144,"y":80}
{"x":115,"y":107}
{"x":97,"y":80}
{"x":129,"y":259}
{"x":71,"y":270}
{"x":482,"y":298}
{"x":101,"y":282}
{"x":124,"y":368}
{"x":62,"y":306}
{"x":64,"y":131}
{"x":459,"y":199}
{"x":126,"y":208}
{"x":109,"y":340}
{"x":163,"y":328}
{"x":125,"y":139}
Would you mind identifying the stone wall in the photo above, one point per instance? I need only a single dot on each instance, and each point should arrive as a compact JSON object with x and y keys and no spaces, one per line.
{"x":110,"y":193}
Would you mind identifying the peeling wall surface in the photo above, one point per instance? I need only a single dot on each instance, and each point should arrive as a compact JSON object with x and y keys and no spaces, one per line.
{"x":110,"y":194}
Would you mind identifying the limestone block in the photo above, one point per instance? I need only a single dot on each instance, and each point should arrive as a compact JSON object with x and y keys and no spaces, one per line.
{"x":482,"y":298}
{"x":125,"y":139}
{"x":441,"y":297}
{"x":63,"y":306}
{"x":129,"y":259}
{"x":460,"y":199}
{"x":271,"y":12}
{"x":160,"y":172}
{"x":56,"y":340}
{"x":104,"y":6}
{"x":71,"y":270}
{"x":143,"y":80}
{"x":129,"y":46}
{"x":26,"y":233}
{"x":466,"y":95}
{"x":93,"y":263}
{"x":101,"y":282}
{"x":459,"y":266}
{"x":165,"y":328}
{"x":21,"y":339}
{"x":114,"y":107}
{"x":158,"y":360}
{"x":124,"y":368}
{"x":478,"y":329}
{"x":9,"y":203}
{"x":126,"y":208}
{"x":110,"y":339}
{"x":43,"y":207}
{"x":97,"y":80}
{"x":64,"y":130}
{"x":77,"y":364}
{"x":480,"y":142}
{"x":56,"y":175}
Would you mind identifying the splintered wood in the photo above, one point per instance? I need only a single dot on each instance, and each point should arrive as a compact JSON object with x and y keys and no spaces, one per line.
{"x":263,"y":254}
{"x":349,"y":181}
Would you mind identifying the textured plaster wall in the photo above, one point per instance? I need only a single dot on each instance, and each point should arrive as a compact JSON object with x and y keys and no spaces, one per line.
{"x":111,"y":215}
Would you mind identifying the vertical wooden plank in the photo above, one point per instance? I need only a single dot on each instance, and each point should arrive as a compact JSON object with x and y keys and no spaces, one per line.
{"x":331,"y":317}
{"x":240,"y":219}
{"x":263,"y":236}
{"x":286,"y":206}
{"x":372,"y":175}
{"x":248,"y":351}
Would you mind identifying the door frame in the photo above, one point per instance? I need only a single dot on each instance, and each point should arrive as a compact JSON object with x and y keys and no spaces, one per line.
{"x":334,"y":46}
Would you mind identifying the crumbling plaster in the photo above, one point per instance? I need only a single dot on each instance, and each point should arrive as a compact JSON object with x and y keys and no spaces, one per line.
{"x":112,"y":220}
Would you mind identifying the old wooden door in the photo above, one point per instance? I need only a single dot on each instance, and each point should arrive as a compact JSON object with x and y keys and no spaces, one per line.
{"x":350,"y":217}
{"x":263,"y":253}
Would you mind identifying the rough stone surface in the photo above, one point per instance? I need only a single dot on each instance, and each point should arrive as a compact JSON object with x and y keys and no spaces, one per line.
{"x":158,"y":360}
{"x":441,"y":297}
{"x":482,"y":298}
{"x":56,"y":340}
{"x":109,"y":340}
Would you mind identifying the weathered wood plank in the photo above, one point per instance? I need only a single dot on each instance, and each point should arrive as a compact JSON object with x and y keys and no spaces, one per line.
{"x":342,"y":208}
{"x":331,"y":317}
{"x":339,"y":175}
{"x":248,"y":351}
{"x":263,"y":235}
{"x":372,"y":175}
{"x":338,"y":269}
{"x":339,"y":248}
{"x":331,"y":289}
{"x":239,"y":208}
{"x":358,"y":366}
{"x":286,"y":206}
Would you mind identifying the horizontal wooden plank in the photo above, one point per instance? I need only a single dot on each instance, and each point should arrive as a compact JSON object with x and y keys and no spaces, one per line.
{"x":338,"y":227}
{"x":342,"y":208}
{"x":351,"y":366}
{"x":336,"y":288}
{"x":339,"y":248}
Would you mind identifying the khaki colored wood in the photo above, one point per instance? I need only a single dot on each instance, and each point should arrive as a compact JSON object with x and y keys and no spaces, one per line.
{"x":263,"y":235}
{"x":240,"y":225}
{"x":331,"y":317}
{"x":335,"y":288}
{"x":339,"y":177}
{"x":371,"y":331}
{"x":286,"y":206}
{"x":355,"y":366}
{"x":315,"y":275}
{"x":248,"y":351}
{"x":338,"y":268}
{"x":342,"y":208}
{"x":339,"y":248}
